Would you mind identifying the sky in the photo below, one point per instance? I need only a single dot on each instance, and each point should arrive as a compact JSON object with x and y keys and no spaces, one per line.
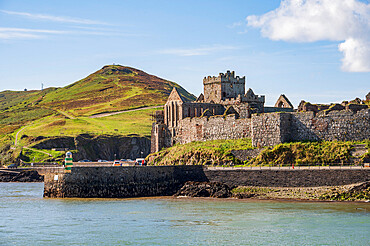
{"x":312,"y":50}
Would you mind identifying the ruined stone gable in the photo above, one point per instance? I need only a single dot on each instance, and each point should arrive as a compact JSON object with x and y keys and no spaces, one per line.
{"x":283,"y":102}
{"x":175,"y":96}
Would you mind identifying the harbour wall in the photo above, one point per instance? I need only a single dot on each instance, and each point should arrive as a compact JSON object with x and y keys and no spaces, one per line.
{"x":120,"y":182}
{"x":125,"y":182}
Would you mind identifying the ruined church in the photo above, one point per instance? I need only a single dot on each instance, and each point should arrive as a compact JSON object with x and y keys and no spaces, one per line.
{"x":223,"y":102}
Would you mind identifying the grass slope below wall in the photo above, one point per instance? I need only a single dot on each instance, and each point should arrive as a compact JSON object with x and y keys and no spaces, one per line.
{"x":218,"y":153}
{"x":324,"y":152}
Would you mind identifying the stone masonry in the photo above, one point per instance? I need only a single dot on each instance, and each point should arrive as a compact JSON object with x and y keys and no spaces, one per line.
{"x":345,"y":125}
{"x":212,"y":128}
{"x":225,"y":112}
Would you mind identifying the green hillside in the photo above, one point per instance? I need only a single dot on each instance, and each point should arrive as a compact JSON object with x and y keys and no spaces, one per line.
{"x":27,"y":117}
{"x":110,"y":89}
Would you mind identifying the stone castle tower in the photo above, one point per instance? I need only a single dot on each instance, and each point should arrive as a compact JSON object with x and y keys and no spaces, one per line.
{"x":224,"y":86}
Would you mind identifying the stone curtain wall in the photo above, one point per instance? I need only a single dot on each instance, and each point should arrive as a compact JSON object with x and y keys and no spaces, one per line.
{"x":122,"y":182}
{"x":345,"y":125}
{"x":270,"y":129}
{"x":266,"y":129}
{"x":342,"y":125}
{"x":303,"y":124}
{"x":212,"y":128}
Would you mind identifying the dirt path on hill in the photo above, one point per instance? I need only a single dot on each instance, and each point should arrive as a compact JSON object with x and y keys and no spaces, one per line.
{"x":16,"y":136}
{"x":40,"y":151}
{"x":65,"y":114}
{"x":123,"y":111}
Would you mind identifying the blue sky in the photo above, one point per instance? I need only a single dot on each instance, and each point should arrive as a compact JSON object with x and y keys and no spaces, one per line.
{"x":318,"y":51}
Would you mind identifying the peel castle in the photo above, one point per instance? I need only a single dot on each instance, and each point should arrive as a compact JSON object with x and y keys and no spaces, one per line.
{"x":226,"y":111}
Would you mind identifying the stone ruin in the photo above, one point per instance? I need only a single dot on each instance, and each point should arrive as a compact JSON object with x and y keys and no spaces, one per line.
{"x":223,"y":96}
{"x":226,"y":111}
{"x":354,"y":105}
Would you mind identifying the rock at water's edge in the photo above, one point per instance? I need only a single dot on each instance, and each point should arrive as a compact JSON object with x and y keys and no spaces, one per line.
{"x":205,"y":189}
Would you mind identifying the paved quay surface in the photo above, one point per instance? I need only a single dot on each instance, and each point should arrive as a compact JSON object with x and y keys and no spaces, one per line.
{"x":288,"y":168}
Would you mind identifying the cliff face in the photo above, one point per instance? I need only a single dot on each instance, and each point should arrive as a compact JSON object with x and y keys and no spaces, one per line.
{"x":106,"y":147}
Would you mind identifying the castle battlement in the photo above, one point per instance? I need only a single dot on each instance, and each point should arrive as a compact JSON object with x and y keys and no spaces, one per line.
{"x":224,"y":77}
{"x":212,"y":79}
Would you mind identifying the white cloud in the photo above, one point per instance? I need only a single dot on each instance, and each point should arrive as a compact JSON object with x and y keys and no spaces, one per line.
{"x":21,"y":33}
{"x":197,"y":51}
{"x":63,"y":19}
{"x":315,"y":20}
{"x":356,"y":55}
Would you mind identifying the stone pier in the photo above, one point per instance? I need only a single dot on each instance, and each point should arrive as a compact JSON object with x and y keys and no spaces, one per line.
{"x":124,"y":182}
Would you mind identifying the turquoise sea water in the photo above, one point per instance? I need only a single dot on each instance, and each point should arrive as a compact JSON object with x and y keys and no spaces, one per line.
{"x":28,"y":219}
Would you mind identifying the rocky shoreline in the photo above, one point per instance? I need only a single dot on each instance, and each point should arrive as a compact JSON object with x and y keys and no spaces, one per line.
{"x":22,"y":176}
{"x":354,"y":192}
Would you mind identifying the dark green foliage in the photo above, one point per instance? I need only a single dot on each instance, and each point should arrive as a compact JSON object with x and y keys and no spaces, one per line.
{"x":216,"y":152}
{"x":5,"y":153}
{"x":306,"y":153}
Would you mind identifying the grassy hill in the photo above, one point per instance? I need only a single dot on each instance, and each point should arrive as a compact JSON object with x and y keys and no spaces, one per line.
{"x":110,"y":89}
{"x":67,"y":111}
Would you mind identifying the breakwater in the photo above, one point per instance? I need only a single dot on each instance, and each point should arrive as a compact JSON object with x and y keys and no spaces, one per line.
{"x":115,"y":182}
{"x":123,"y":182}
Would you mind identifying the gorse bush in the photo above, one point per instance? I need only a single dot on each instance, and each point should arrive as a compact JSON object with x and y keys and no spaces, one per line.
{"x":217,"y":152}
{"x":306,"y":153}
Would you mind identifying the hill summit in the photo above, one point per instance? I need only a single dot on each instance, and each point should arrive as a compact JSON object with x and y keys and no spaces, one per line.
{"x":110,"y":89}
